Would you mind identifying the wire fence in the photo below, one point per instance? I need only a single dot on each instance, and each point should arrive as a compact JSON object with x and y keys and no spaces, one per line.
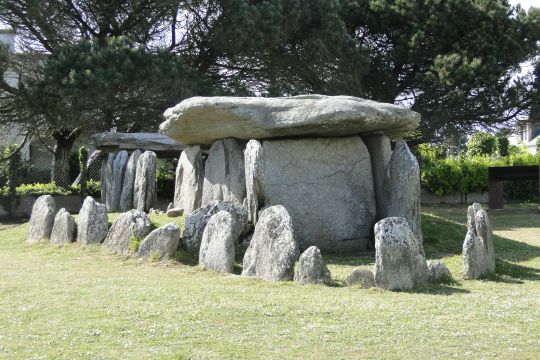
{"x":33,"y":170}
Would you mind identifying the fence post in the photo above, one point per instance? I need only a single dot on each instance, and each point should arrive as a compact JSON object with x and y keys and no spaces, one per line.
{"x":83,"y":158}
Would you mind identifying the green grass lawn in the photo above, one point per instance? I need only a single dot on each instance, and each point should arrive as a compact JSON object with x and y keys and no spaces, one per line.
{"x":74,"y":302}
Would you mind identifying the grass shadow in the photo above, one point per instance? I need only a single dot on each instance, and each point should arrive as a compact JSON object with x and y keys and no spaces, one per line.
{"x":438,"y":289}
{"x":444,"y":237}
{"x":506,"y":271}
{"x":362,"y":259}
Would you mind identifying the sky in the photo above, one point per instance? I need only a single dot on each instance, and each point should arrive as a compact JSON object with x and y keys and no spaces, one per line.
{"x":526,"y":4}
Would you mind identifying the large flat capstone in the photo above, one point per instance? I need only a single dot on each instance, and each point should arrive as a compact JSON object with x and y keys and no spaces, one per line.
{"x":203,"y":120}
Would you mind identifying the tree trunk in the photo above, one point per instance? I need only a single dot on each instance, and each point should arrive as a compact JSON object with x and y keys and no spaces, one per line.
{"x":62,"y":151}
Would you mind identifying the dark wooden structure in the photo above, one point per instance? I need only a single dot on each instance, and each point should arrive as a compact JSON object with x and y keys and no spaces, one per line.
{"x":496,"y":176}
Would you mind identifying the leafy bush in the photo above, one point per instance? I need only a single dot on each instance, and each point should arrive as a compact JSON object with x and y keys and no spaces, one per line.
{"x":481,"y":143}
{"x":469,"y":173}
{"x":94,"y":189}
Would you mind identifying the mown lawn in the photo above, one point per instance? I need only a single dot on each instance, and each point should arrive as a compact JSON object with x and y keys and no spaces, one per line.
{"x":74,"y":302}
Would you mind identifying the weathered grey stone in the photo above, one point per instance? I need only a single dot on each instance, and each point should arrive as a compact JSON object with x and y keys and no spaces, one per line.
{"x":478,"y":251}
{"x":218,"y":242}
{"x":107,"y":180}
{"x":203,"y":120}
{"x":404,"y":188}
{"x":144,"y":193}
{"x":64,"y":229}
{"x":189,"y":179}
{"x":273,"y":249}
{"x":361,"y":277}
{"x":126,"y":199}
{"x":312,"y":269}
{"x":399,"y":258}
{"x":195,"y":223}
{"x":41,"y":220}
{"x":254,"y":173}
{"x":129,"y":225}
{"x":161,"y":242}
{"x":132,"y":141}
{"x":93,"y":222}
{"x":175,"y":212}
{"x":119,"y":170}
{"x":224,"y":178}
{"x":380,"y":152}
{"x":326,"y":185}
{"x":437,"y":271}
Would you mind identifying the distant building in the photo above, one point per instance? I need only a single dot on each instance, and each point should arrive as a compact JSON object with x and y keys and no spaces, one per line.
{"x":526,"y":134}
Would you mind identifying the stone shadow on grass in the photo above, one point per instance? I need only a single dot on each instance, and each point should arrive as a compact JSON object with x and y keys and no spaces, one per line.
{"x":445,"y":238}
{"x":439,"y":289}
{"x":512,"y":273}
{"x":362,"y":259}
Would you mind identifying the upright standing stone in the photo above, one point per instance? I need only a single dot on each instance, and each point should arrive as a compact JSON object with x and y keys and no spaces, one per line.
{"x":93,"y":222}
{"x":404,"y":188}
{"x":161,"y":242}
{"x":119,"y":170}
{"x":131,"y":225}
{"x":42,"y":219}
{"x":107,"y":181}
{"x":195,"y":223}
{"x":254,"y":172}
{"x":273,"y":249}
{"x":144,"y":196}
{"x":218,"y":241}
{"x":478,"y":251}
{"x":312,"y":269}
{"x":224,"y":178}
{"x":189,"y":179}
{"x":64,"y":228}
{"x":126,"y":199}
{"x":380,"y":152}
{"x":326,"y":186}
{"x":399,"y":257}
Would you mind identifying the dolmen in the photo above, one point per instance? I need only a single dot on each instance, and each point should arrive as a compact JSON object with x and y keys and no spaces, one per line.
{"x":326,"y":159}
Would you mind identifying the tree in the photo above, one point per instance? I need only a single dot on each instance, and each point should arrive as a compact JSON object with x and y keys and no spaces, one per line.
{"x":481,"y":143}
{"x":453,"y":60}
{"x":98,"y":86}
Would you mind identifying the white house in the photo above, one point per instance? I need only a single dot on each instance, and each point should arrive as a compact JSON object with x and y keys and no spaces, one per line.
{"x":527,"y":134}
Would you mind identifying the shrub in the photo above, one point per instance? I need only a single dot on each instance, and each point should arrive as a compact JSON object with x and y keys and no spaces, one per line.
{"x":165,"y":175}
{"x":466,"y":174}
{"x":481,"y":143}
{"x":94,"y":189}
{"x":502,"y":145}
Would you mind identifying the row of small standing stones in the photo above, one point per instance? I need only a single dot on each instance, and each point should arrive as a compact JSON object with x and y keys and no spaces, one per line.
{"x":129,"y":181}
{"x":93,"y":228}
{"x":214,"y":231}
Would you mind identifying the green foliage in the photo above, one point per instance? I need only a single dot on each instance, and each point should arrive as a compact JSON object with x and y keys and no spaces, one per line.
{"x":38,"y":189}
{"x":469,"y":173}
{"x":134,"y":244}
{"x":83,"y":157}
{"x":42,"y":189}
{"x":165,"y":177}
{"x":503,"y":145}
{"x":481,"y":143}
